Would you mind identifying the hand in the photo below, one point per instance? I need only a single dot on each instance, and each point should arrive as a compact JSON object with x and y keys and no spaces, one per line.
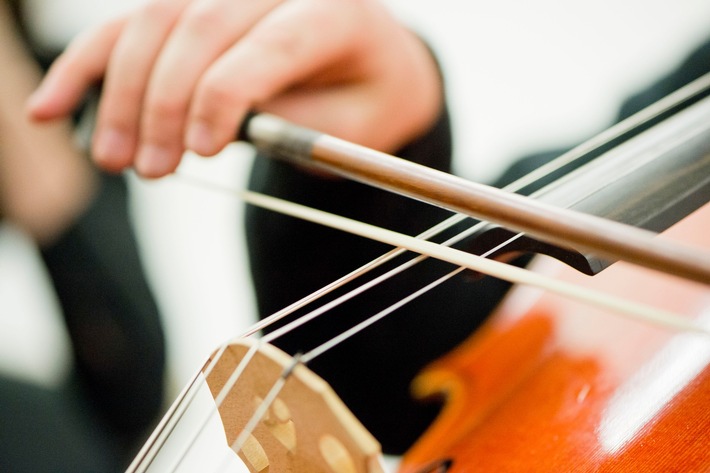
{"x":181,"y":74}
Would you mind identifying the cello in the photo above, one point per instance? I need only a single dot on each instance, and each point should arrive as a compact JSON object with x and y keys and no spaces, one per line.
{"x":543,"y":383}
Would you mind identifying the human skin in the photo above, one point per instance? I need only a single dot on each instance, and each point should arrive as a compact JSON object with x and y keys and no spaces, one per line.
{"x":45,"y":180}
{"x":182,"y":74}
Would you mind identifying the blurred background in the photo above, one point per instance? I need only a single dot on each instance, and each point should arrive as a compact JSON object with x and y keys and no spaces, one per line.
{"x":521,"y":76}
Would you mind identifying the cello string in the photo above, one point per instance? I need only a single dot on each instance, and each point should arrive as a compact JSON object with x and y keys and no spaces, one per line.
{"x":377,"y":262}
{"x":333,"y":342}
{"x":268,"y":338}
{"x":486,"y":266}
{"x":597,"y":142}
{"x":370,"y":284}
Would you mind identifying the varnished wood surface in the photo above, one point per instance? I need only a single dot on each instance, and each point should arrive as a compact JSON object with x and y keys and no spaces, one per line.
{"x":550,"y":385}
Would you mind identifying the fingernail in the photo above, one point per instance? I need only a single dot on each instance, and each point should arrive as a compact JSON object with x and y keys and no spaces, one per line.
{"x":200,"y":139}
{"x":111,"y":145}
{"x":154,"y":161}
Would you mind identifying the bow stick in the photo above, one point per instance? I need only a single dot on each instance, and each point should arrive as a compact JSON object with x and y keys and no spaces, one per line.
{"x":608,"y":239}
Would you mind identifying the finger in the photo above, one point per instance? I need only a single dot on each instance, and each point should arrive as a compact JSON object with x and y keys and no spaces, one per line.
{"x":290,"y":44}
{"x":128,"y":73}
{"x":74,"y":72}
{"x":204,"y":32}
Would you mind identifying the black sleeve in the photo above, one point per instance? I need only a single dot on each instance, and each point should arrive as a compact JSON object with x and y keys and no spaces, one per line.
{"x":291,"y":258}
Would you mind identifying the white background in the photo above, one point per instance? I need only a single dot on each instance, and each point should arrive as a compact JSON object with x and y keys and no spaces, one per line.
{"x":521,"y":75}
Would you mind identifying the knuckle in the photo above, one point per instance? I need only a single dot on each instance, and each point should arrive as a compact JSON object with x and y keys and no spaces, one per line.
{"x":119,"y":108}
{"x":164,"y":110}
{"x":216,"y":93}
{"x":283,"y":42}
{"x":157,"y":10}
{"x":127,"y":92}
{"x":205,"y":19}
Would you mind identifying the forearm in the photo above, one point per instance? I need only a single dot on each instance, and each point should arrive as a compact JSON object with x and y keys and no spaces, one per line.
{"x":44,"y":181}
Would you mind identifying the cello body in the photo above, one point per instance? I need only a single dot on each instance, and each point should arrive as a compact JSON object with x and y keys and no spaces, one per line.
{"x":549,"y":384}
